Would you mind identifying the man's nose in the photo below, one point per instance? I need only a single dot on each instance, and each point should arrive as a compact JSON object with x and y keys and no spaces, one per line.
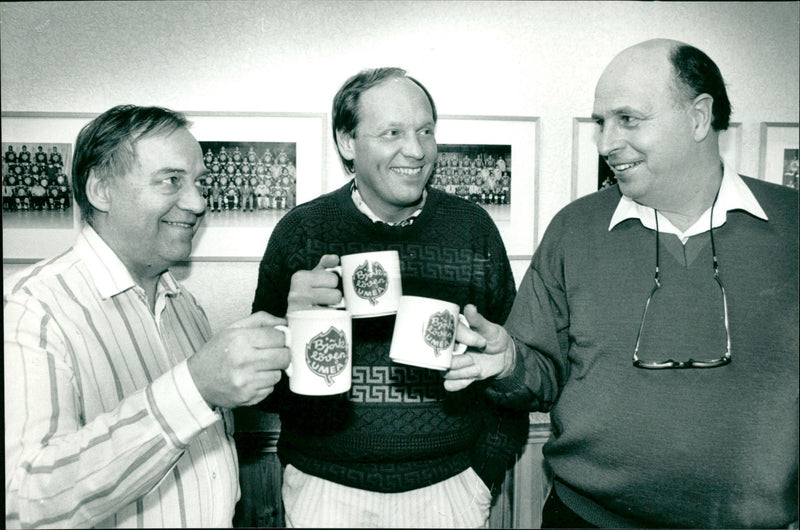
{"x":192,"y":200}
{"x":412,"y":147}
{"x":608,"y":139}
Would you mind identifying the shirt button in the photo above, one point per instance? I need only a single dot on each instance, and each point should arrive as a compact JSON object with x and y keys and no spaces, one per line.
{"x":214,"y":475}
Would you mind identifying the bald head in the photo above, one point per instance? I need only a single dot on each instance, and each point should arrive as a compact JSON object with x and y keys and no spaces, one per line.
{"x":684,"y":69}
{"x":643,"y":69}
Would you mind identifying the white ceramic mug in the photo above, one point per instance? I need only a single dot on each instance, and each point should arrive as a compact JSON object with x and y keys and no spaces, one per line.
{"x":321,"y":345}
{"x":371,"y":283}
{"x":425,"y":333}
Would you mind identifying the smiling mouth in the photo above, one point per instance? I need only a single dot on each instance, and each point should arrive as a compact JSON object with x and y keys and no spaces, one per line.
{"x":407,"y":171}
{"x":621,"y":168}
{"x":180,"y":225}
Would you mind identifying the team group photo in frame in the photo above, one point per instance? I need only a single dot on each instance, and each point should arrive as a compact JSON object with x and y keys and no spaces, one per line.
{"x":35,"y":180}
{"x":479,"y":173}
{"x":247,"y":177}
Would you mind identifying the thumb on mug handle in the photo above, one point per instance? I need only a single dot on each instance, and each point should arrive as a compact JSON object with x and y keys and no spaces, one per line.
{"x":338,"y":270}
{"x":287,"y":334}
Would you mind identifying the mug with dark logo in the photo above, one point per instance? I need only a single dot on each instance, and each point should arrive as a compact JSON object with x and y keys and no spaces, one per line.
{"x":321,"y":342}
{"x":425,"y":333}
{"x":371,"y":284}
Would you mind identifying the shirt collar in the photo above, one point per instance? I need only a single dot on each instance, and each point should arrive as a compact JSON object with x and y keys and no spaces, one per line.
{"x":733,"y":195}
{"x":366,"y":210}
{"x":109,"y":273}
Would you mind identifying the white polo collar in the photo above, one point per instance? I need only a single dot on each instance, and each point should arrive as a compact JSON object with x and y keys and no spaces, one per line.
{"x":733,"y":195}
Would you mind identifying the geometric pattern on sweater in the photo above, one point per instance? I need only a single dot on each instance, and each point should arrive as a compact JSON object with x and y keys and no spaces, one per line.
{"x":393,"y":416}
{"x":404,"y":422}
{"x":395,"y":384}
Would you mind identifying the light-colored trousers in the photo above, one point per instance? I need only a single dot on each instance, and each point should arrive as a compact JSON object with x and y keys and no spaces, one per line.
{"x":461,"y":501}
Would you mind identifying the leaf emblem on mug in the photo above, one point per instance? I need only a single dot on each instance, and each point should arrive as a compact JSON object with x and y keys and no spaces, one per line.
{"x":370,"y":282}
{"x":327,"y":354}
{"x":440,"y":331}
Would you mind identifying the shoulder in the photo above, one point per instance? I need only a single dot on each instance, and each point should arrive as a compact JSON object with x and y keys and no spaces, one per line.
{"x":780,"y":203}
{"x":456,"y":209}
{"x":320,"y":207}
{"x":585,"y":213}
{"x":46,"y":275}
{"x":773,"y":197}
{"x":602,"y":202}
{"x":44,"y":287}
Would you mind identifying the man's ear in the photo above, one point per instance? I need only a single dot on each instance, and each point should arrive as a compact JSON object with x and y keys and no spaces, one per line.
{"x":345,"y":143}
{"x":703,"y":115}
{"x":98,"y":192}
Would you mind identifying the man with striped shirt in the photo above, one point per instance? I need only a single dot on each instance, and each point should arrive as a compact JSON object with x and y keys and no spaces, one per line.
{"x":117,"y":396}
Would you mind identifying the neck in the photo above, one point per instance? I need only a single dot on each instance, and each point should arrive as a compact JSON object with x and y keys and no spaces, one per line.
{"x":145,"y":275}
{"x":147,"y":280}
{"x":697,"y":197}
{"x":389,"y":213}
{"x":149,"y":285}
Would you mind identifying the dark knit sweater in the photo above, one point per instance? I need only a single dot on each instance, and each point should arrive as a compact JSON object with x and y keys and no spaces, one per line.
{"x":397,"y":429}
{"x":700,"y":448}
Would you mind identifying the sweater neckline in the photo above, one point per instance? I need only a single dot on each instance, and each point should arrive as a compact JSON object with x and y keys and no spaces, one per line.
{"x":351,"y":210}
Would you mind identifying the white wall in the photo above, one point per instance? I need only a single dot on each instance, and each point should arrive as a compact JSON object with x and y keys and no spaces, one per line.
{"x":481,"y":58}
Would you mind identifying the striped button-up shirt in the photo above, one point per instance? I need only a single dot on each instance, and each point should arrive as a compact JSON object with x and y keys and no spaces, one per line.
{"x":104,"y":425}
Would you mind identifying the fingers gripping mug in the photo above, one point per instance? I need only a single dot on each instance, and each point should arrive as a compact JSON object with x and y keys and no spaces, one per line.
{"x":320,"y":342}
{"x":425,"y":332}
{"x":371,"y":283}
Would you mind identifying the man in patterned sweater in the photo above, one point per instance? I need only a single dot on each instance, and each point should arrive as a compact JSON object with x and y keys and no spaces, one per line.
{"x":397,"y":450}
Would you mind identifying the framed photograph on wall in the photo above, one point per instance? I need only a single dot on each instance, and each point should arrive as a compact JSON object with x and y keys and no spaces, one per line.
{"x":493,"y":161}
{"x":246,"y":209}
{"x":584,"y":158}
{"x":591,"y":173}
{"x":778,"y":153}
{"x":261,"y":165}
{"x":40,"y":219}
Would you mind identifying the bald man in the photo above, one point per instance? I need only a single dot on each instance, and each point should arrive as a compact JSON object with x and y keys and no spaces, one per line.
{"x":658,"y":320}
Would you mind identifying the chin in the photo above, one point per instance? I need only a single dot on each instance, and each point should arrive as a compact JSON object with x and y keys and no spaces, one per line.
{"x":415,"y":189}
{"x":629,"y":189}
{"x":179,"y":254}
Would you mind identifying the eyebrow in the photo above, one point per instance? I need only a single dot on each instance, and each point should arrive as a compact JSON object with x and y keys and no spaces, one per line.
{"x":619,"y":111}
{"x":168,"y":170}
{"x":165,"y":170}
{"x":401,"y":124}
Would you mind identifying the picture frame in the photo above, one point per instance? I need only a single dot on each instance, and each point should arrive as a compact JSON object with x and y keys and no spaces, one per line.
{"x":220,"y":238}
{"x":586,"y":162}
{"x":29,"y":236}
{"x":235,"y":235}
{"x":584,"y":158}
{"x":778,"y":153}
{"x":518,"y":136}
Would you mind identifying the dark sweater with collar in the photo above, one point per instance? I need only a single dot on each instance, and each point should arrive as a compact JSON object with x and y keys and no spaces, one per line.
{"x":397,"y":429}
{"x":699,"y":448}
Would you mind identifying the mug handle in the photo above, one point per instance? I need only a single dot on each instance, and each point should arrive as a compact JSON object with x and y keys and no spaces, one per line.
{"x":337,"y":270}
{"x":287,"y":335}
{"x":459,"y":348}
